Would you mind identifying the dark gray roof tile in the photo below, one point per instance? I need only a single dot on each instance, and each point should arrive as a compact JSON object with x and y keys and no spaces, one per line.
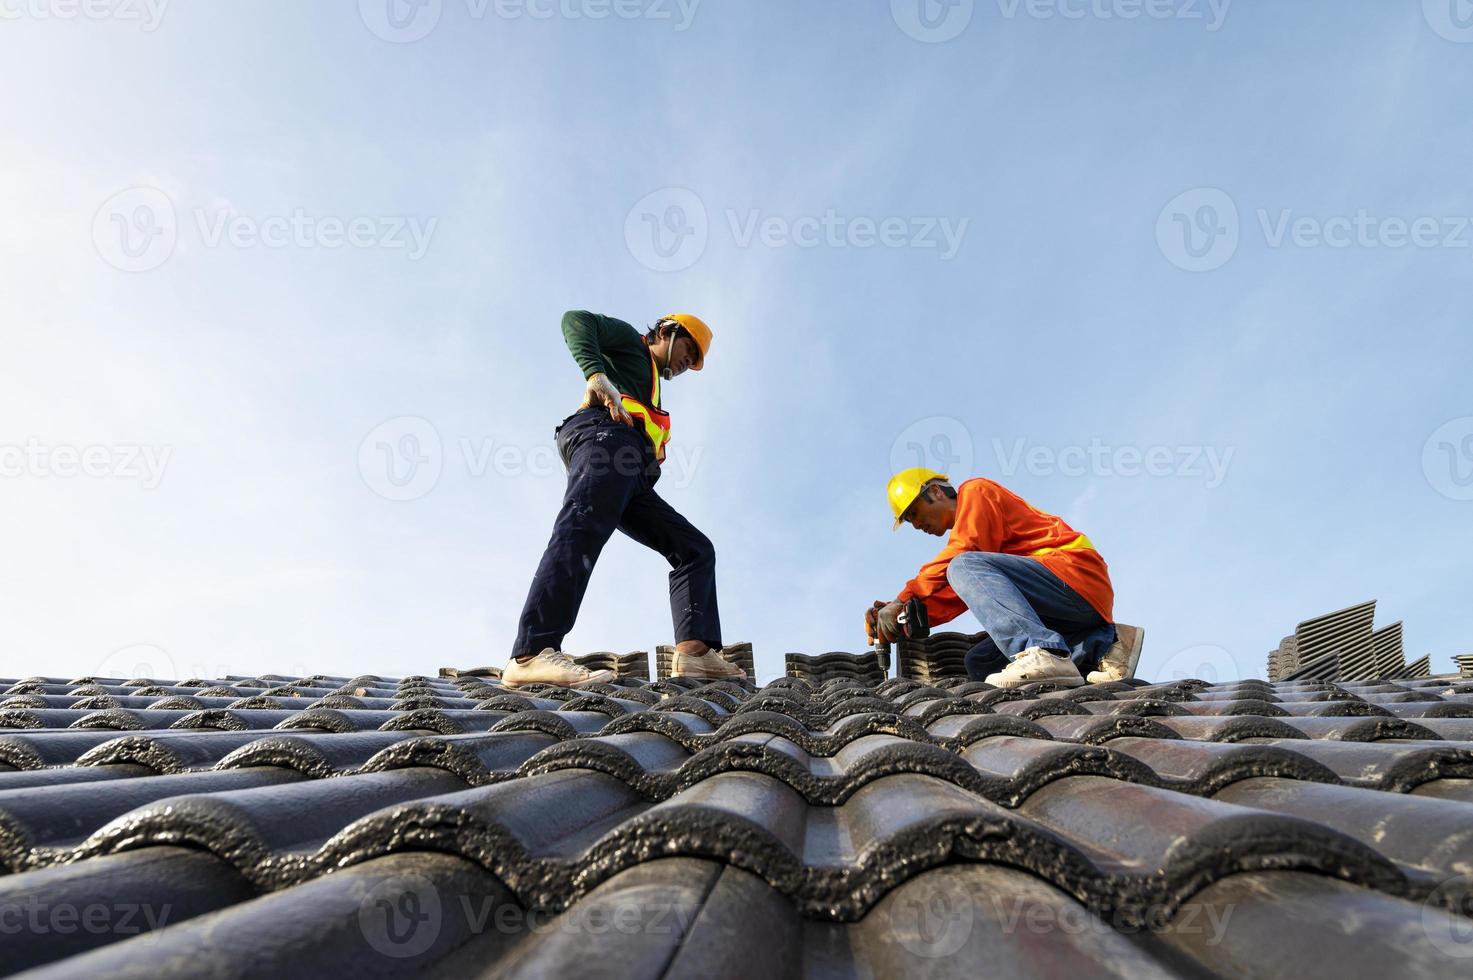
{"x":39,"y":828}
{"x":1287,"y":924}
{"x":816,"y":813}
{"x":109,"y":899}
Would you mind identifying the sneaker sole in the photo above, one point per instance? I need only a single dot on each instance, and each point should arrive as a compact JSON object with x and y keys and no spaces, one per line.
{"x":1061,"y":681}
{"x":697,"y":675}
{"x":594,"y":679}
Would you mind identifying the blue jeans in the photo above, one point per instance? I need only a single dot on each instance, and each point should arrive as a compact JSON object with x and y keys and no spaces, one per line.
{"x":1021,"y":604}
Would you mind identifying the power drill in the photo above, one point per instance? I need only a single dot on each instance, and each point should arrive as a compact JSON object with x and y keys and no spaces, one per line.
{"x":914,"y":623}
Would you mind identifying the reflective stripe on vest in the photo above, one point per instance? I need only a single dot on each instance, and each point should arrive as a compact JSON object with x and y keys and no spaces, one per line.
{"x":1081,"y":543}
{"x":656,"y":423}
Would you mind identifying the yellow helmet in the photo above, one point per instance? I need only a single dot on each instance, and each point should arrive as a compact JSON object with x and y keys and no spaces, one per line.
{"x":905,"y":487}
{"x":698,"y":331}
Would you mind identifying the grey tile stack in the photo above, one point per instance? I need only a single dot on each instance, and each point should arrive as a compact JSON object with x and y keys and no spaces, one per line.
{"x":374,"y":826}
{"x":1343,"y":645}
{"x":1421,"y":667}
{"x":1324,"y":668}
{"x":1390,"y":658}
{"x":738,"y":653}
{"x":1346,"y":633}
{"x":865,"y":668}
{"x":628,"y":665}
{"x":1284,"y":660}
{"x":936,"y":658}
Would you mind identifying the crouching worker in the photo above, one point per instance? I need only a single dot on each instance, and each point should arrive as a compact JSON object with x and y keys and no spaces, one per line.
{"x":613,"y":447}
{"x":1037,"y":586}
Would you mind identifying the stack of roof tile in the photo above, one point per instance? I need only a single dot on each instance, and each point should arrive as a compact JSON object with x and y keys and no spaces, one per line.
{"x":1283,"y":660}
{"x":1322,"y":668}
{"x":1465,"y":663}
{"x":378,"y":827}
{"x":1390,"y":658}
{"x":628,"y":665}
{"x":865,"y":668}
{"x":1421,"y":667}
{"x":1343,"y":645}
{"x":937,"y":657}
{"x":738,"y":653}
{"x":1346,"y":633}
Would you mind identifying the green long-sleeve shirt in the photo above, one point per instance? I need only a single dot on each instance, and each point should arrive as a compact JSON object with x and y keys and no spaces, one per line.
{"x":603,"y":343}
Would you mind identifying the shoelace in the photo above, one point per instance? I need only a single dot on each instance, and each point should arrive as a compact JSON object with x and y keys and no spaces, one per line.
{"x":563,"y":660}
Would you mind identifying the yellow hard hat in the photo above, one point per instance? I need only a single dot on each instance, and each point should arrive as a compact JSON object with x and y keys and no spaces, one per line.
{"x":905,"y":487}
{"x":698,"y":331}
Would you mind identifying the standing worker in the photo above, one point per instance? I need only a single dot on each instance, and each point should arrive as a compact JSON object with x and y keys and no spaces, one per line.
{"x":1037,"y":586}
{"x":613,"y":447}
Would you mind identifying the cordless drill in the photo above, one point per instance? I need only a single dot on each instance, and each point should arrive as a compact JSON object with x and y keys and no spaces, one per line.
{"x":914,"y":623}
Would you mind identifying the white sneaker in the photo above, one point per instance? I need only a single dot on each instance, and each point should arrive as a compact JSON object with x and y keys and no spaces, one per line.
{"x":708,"y":666}
{"x":551,"y":667}
{"x":1037,"y":664}
{"x":1120,"y":660}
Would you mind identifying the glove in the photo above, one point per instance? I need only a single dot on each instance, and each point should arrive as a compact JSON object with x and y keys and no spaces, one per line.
{"x":883,"y":619}
{"x":601,"y":391}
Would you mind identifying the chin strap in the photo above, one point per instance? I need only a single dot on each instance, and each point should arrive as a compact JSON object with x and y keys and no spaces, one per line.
{"x":665,"y":368}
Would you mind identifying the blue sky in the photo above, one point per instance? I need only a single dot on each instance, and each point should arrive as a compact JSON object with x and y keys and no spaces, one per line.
{"x":255,"y":254}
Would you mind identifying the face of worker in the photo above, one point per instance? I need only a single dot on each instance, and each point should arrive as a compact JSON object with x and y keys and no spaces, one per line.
{"x":682,"y":354}
{"x":932,"y":512}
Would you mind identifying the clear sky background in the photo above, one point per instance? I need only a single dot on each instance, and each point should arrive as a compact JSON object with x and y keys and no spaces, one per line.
{"x":235,"y":441}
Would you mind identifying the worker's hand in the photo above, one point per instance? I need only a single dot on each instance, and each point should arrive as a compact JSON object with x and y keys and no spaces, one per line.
{"x":883,"y":620}
{"x":601,"y":391}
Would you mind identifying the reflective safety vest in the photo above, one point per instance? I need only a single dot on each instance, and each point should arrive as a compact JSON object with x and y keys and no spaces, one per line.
{"x":656,"y":423}
{"x":1081,"y":543}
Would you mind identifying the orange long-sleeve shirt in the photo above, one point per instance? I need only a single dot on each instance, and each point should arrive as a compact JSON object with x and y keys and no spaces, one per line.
{"x":989,"y":517}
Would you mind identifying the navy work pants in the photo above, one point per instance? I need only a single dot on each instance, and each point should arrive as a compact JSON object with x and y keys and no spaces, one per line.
{"x":611,"y":484}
